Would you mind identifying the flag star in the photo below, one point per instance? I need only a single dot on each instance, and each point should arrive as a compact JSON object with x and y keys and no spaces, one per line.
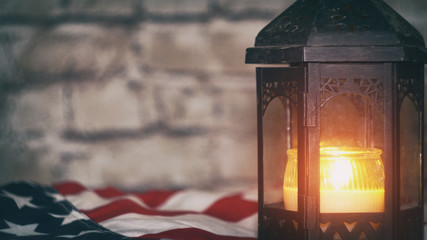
{"x":21,"y":230}
{"x":71,"y":217}
{"x":20,"y":200}
{"x":56,"y":196}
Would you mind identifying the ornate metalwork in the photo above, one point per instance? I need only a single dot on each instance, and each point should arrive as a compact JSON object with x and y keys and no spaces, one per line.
{"x":370,"y":87}
{"x":357,"y":227}
{"x":412,"y":88}
{"x":272,"y":90}
{"x":409,"y":222}
{"x":409,"y":229}
{"x":279,"y":223}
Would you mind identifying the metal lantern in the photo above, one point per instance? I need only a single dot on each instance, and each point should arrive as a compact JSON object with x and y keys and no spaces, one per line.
{"x":340,"y":122}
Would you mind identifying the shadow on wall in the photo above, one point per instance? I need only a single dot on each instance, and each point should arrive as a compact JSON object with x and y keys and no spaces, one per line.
{"x":136,"y":94}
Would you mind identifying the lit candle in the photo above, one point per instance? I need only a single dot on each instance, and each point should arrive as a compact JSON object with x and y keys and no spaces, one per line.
{"x":351,"y":180}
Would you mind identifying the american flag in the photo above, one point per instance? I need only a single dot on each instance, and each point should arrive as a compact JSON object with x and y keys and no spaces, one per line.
{"x":72,"y":211}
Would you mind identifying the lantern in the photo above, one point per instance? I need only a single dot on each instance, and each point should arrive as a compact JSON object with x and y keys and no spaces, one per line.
{"x":340,"y":112}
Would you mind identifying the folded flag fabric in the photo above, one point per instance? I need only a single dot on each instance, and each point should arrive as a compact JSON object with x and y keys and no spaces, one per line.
{"x":72,"y":211}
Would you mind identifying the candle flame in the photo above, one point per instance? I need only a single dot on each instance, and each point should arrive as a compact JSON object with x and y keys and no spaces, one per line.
{"x":343,"y":173}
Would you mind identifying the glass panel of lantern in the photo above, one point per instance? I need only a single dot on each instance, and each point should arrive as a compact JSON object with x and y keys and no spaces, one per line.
{"x":278,"y":89}
{"x":351,"y":144}
{"x":410,"y":153}
{"x":410,"y":90}
{"x":351,"y":139}
{"x":278,"y":126}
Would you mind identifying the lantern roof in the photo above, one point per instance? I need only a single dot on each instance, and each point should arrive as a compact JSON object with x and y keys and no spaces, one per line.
{"x":338,"y":31}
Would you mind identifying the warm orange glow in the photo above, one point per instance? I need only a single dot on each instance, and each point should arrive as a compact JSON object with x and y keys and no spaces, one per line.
{"x":351,"y":180}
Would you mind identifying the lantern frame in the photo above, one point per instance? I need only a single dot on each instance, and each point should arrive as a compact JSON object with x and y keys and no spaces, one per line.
{"x":310,"y":55}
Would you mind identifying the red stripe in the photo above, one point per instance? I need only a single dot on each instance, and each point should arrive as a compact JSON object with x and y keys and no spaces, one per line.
{"x":109,"y":192}
{"x":152,"y":198}
{"x":191,"y":233}
{"x":124,"y":206}
{"x":69,"y":188}
{"x":232,"y":208}
{"x":155,"y":198}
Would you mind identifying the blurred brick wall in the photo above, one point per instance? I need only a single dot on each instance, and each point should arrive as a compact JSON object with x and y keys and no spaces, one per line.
{"x":133,"y":93}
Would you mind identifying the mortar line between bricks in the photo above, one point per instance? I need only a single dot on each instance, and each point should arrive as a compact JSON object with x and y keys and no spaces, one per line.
{"x":41,"y":80}
{"x":135,"y":19}
{"x":145,"y":132}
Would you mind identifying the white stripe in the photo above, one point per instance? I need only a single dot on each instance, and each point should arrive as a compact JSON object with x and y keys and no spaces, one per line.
{"x":80,"y":234}
{"x":192,"y":200}
{"x":135,"y":225}
{"x":250,"y":222}
{"x":89,"y":200}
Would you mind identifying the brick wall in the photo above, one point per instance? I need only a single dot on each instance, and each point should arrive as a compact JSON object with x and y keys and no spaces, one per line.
{"x":133,"y":93}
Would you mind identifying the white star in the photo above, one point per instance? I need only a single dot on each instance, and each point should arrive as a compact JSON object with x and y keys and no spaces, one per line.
{"x":20,"y":200}
{"x":21,"y":230}
{"x":56,"y":196}
{"x":71,"y":217}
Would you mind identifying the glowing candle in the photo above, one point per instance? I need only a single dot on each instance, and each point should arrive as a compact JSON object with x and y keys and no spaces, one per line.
{"x":351,"y":180}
